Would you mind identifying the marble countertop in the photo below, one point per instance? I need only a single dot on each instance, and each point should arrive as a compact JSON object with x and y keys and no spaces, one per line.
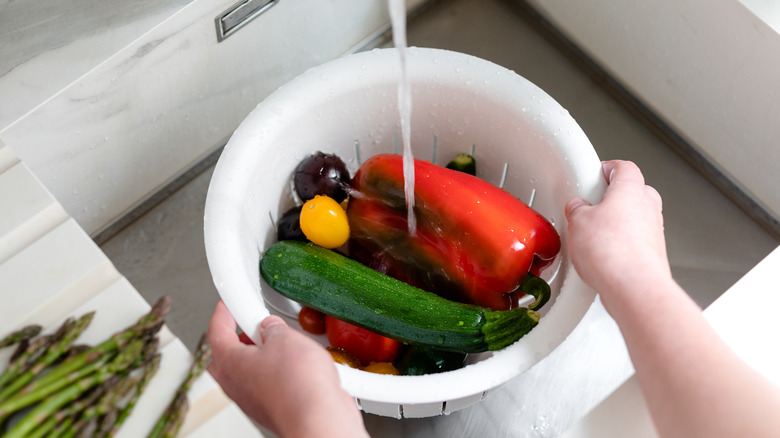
{"x":76,"y":35}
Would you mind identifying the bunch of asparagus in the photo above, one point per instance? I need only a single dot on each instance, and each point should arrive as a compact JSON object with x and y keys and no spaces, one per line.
{"x":60,"y":389}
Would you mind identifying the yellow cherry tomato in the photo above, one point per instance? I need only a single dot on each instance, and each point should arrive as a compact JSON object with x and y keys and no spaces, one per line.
{"x":324,"y":222}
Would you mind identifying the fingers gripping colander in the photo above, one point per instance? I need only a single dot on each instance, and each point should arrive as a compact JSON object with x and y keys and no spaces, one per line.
{"x":524,"y":140}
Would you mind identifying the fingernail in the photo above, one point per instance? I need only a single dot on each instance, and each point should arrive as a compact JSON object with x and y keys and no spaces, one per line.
{"x":608,"y":169}
{"x":269,"y":326}
{"x":270,"y":321}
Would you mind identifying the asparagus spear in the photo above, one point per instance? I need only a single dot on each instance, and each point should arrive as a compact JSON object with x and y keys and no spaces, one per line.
{"x":149,"y":371}
{"x":73,"y":391}
{"x":62,"y":429}
{"x":106,"y":409}
{"x":199,"y":363}
{"x":150,"y":349}
{"x":116,"y":389}
{"x":139,"y":339}
{"x":110,"y":398}
{"x":172,"y":418}
{"x":39,"y":389}
{"x":17,"y":336}
{"x":71,"y":330}
{"x":176,"y":410}
{"x":75,"y":350}
{"x":172,"y":426}
{"x":21,"y":347}
{"x":61,"y":420}
{"x":145,"y":326}
{"x":23,"y":360}
{"x":44,"y":429}
{"x":43,"y":387}
{"x":107,"y":422}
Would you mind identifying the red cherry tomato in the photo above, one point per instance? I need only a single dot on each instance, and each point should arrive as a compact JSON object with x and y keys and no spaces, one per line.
{"x":244,"y":338}
{"x":312,"y":321}
{"x":364,"y":345}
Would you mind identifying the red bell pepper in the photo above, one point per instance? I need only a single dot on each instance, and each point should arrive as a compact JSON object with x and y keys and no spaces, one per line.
{"x":474,"y":242}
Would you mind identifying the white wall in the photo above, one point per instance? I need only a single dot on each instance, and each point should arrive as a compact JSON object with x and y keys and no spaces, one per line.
{"x":711,"y":68}
{"x":767,"y":10}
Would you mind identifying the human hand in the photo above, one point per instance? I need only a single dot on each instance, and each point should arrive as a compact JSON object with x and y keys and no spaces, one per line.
{"x":619,"y":242}
{"x":288,"y":383}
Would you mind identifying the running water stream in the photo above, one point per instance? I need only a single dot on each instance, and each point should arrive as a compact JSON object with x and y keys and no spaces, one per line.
{"x":398,"y":21}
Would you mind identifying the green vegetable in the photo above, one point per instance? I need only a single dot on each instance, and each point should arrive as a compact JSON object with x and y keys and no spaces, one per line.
{"x":70,"y":330}
{"x":24,"y":359}
{"x":73,"y":390}
{"x":20,"y":335}
{"x":350,"y":291}
{"x":533,"y":285}
{"x":171,"y":419}
{"x":58,"y":389}
{"x":463,"y":163}
{"x":63,"y":383}
{"x":149,"y":370}
{"x":424,"y":359}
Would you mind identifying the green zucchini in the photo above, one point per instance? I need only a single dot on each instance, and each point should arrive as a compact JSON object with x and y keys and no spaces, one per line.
{"x":424,"y":359}
{"x":343,"y":288}
{"x":463,"y":163}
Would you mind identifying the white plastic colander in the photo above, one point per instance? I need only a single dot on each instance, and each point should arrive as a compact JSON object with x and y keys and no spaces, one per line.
{"x":521,"y":137}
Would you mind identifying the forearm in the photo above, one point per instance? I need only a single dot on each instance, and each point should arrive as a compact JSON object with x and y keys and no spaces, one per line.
{"x":693,"y":383}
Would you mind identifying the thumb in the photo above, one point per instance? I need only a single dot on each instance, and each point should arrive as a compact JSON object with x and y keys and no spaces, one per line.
{"x":573,"y":205}
{"x":271,"y":327}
